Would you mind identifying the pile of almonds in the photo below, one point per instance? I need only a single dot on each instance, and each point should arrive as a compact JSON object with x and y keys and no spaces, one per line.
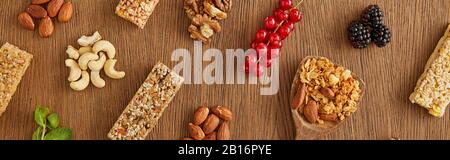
{"x":36,"y":10}
{"x":208,"y":126}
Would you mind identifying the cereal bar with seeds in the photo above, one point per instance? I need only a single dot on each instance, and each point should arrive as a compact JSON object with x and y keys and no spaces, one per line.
{"x":13,"y":64}
{"x":147,"y":106}
{"x":432,"y":90}
{"x":136,"y":11}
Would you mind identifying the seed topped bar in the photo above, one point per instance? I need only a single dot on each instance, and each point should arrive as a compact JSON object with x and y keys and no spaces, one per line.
{"x":136,"y":11}
{"x":433,"y":87}
{"x":13,"y":64}
{"x":147,"y":106}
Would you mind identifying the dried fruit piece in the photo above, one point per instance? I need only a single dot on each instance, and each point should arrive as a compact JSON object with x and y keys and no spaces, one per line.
{"x":299,"y":97}
{"x":211,"y":123}
{"x":36,"y":11}
{"x":223,"y":133}
{"x":311,"y":112}
{"x":200,"y":115}
{"x":196,"y":132}
{"x":66,"y":12}
{"x":39,"y":1}
{"x":26,"y":21}
{"x":46,"y":27}
{"x":53,"y":7}
{"x":223,"y":112}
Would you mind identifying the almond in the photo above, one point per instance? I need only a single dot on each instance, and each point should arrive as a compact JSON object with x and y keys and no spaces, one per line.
{"x":66,"y":12}
{"x":223,"y":112}
{"x":299,"y":97}
{"x":327,"y":92}
{"x":211,"y":123}
{"x":195,"y":132}
{"x":223,"y":133}
{"x":211,"y":136}
{"x":46,"y":27}
{"x":26,"y":21}
{"x":53,"y":7}
{"x":36,"y":11}
{"x":329,"y":117}
{"x":311,"y":112}
{"x":39,"y":1}
{"x":200,"y":115}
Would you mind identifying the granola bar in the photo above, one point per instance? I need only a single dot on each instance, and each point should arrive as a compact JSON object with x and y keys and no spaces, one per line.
{"x":147,"y":106}
{"x":136,"y":11}
{"x":432,"y":90}
{"x":13,"y":64}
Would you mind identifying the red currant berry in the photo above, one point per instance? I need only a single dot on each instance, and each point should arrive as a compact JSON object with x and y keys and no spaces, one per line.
{"x":262,"y":35}
{"x":286,"y":4}
{"x":268,"y":63}
{"x":281,"y":15}
{"x":295,"y":15}
{"x":276,"y":44}
{"x":270,"y":23}
{"x":254,"y":43}
{"x":284,"y":31}
{"x":257,"y":71}
{"x":250,"y":60}
{"x":274,"y":37}
{"x":289,"y":24}
{"x":261,"y":49}
{"x":273,"y":53}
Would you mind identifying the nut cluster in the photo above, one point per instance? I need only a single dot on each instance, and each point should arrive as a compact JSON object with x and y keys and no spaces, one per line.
{"x":327,"y":92}
{"x":205,"y":16}
{"x":208,"y":126}
{"x":95,"y":54}
{"x":36,"y":10}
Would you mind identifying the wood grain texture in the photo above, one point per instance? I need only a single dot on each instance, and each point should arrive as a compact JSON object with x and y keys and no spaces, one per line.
{"x":390,"y":73}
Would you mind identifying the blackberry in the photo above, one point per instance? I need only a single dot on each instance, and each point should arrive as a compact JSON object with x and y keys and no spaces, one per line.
{"x":359,"y":35}
{"x":372,"y":16}
{"x":381,"y":35}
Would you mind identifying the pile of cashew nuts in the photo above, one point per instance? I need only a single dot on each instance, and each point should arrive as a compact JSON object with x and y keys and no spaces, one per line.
{"x":95,"y":54}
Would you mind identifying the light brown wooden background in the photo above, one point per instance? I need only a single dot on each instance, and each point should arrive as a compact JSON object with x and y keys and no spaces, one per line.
{"x":390,"y":73}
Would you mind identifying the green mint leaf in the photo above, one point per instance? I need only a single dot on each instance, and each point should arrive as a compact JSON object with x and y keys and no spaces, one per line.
{"x":53,"y":120}
{"x":59,"y":134}
{"x":37,"y":135}
{"x":39,"y":115}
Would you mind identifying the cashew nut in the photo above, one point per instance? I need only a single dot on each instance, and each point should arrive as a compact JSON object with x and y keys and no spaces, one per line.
{"x":75,"y":71}
{"x":82,"y":83}
{"x":111,"y":72}
{"x":89,"y":41}
{"x":72,"y":52}
{"x":105,"y":46}
{"x":84,"y":50}
{"x":97,"y":81}
{"x":98,"y":64}
{"x":85,"y":58}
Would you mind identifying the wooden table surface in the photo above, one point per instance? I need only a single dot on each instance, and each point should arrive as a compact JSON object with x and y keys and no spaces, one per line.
{"x":390,"y":73}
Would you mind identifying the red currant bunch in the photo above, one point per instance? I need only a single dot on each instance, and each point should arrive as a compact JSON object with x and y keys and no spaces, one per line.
{"x":268,"y":41}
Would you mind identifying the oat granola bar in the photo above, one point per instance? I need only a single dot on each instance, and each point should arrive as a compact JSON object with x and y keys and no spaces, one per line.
{"x":13,"y":64}
{"x":432,"y":90}
{"x":147,"y":106}
{"x":136,"y":11}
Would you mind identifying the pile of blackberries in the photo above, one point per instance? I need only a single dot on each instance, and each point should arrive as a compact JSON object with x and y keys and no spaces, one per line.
{"x":369,"y":28}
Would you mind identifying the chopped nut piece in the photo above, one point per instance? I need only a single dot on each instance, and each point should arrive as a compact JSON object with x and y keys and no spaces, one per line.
{"x":224,"y":5}
{"x":136,"y":11}
{"x":213,"y":11}
{"x":147,"y":106}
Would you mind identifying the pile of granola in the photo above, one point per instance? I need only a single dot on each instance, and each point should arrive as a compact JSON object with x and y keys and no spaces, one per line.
{"x":334,"y":91}
{"x":205,"y":16}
